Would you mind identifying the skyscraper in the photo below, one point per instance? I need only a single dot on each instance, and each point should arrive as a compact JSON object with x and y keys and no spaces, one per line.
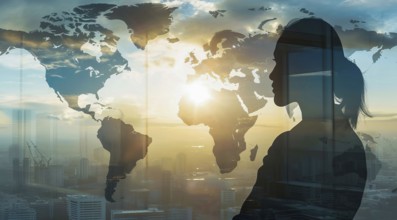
{"x":42,"y":209}
{"x":228,"y":198}
{"x":43,"y":133}
{"x":16,"y":171}
{"x":180,"y":165}
{"x":21,"y":128}
{"x":59,"y":209}
{"x":17,"y":133}
{"x":55,"y":175}
{"x":26,"y":171}
{"x":229,"y":213}
{"x":85,"y":207}
{"x":84,"y":168}
{"x":139,"y":198}
{"x":20,"y":211}
{"x":166,"y":188}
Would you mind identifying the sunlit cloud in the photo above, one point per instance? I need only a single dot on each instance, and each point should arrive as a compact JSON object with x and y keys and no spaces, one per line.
{"x":68,"y":115}
{"x":198,"y":146}
{"x":198,"y":5}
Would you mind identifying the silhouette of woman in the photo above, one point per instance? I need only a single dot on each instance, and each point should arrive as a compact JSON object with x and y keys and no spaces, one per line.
{"x":317,"y":170}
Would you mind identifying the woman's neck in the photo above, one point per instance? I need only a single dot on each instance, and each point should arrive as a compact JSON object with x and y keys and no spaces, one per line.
{"x":321,"y":113}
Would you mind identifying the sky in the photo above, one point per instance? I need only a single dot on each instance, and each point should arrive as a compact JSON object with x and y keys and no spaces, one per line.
{"x":167,"y":73}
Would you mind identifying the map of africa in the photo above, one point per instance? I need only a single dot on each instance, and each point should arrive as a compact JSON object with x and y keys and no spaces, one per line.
{"x":239,"y":60}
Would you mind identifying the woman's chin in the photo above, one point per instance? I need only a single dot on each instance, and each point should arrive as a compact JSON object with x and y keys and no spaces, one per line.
{"x":280,"y":102}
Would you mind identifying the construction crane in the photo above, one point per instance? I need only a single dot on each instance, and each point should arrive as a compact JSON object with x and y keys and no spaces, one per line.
{"x":39,"y":159}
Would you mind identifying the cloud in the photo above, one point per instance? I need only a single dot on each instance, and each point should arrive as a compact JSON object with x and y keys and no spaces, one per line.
{"x":194,"y":26}
{"x":192,"y":5}
{"x":375,"y":14}
{"x":19,"y":58}
{"x":68,"y":115}
{"x":384,"y":115}
{"x":236,"y":10}
{"x":369,"y":3}
{"x":375,"y":30}
{"x":4,"y":120}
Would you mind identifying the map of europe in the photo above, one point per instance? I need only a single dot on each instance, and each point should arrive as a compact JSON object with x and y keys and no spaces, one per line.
{"x":232,"y":58}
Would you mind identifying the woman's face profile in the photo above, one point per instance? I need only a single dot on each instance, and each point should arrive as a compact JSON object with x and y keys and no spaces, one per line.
{"x":299,"y":72}
{"x":279,"y":76}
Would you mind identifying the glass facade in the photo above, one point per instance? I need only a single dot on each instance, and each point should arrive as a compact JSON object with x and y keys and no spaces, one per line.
{"x":198,"y":109}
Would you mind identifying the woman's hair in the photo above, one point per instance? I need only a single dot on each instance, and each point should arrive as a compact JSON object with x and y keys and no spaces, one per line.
{"x":348,"y":81}
{"x":349,"y":87}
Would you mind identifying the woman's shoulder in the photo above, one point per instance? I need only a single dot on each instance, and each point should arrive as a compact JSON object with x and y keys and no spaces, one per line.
{"x":281,"y":138}
{"x":280,"y":142}
{"x":274,"y":152}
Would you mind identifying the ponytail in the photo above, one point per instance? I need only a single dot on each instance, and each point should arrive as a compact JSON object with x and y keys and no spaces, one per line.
{"x":350,"y":89}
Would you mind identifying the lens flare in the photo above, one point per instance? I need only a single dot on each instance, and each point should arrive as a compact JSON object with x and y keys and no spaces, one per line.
{"x":198,"y":93}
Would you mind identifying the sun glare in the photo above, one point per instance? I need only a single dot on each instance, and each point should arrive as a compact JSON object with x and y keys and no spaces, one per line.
{"x":198,"y":93}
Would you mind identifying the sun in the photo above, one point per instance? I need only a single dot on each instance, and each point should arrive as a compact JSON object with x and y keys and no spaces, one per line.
{"x":198,"y":93}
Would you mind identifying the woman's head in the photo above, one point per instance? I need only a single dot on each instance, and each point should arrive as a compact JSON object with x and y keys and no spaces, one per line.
{"x":311,"y":66}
